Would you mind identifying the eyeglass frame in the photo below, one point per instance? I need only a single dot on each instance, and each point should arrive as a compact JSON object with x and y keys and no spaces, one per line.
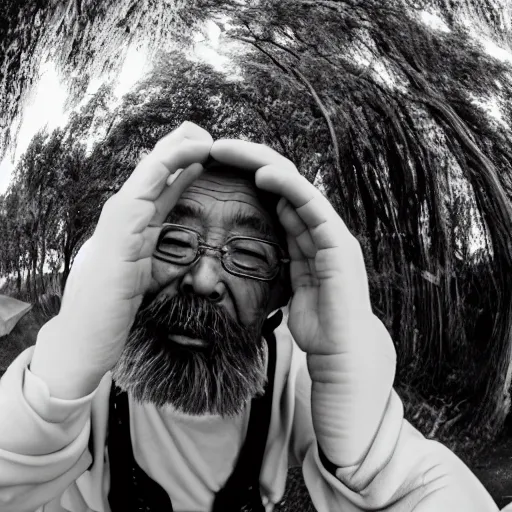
{"x":201,"y":246}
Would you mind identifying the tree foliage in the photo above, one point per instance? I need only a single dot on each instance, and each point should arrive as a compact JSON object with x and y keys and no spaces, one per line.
{"x":52,"y":203}
{"x":85,"y":38}
{"x":418,"y":165}
{"x":490,"y":18}
{"x":389,"y":113}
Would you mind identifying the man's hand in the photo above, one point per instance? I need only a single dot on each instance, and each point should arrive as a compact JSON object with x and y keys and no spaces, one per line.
{"x":328,"y":275}
{"x":350,"y":359}
{"x":107,"y":283}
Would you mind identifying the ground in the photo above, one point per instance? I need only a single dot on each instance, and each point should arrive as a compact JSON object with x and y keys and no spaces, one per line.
{"x":494,"y":467}
{"x":22,"y":336}
{"x":494,"y":470}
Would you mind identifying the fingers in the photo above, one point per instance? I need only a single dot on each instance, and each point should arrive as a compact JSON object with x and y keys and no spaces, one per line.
{"x":171,"y":194}
{"x":150,"y":176}
{"x":186,"y":130}
{"x":122,"y":216}
{"x":287,"y":183}
{"x":302,"y":271}
{"x":326,"y":227}
{"x":296,"y":230}
{"x":248,"y":155}
{"x":187,"y":144}
{"x":313,"y":230}
{"x":316,"y":252}
{"x":274,"y":173}
{"x":132,"y":208}
{"x":277,"y":174}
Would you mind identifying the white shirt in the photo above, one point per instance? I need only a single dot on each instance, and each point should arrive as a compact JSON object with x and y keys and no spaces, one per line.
{"x":191,"y":457}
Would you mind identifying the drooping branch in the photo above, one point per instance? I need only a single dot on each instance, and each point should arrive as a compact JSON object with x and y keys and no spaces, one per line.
{"x":293,"y":71}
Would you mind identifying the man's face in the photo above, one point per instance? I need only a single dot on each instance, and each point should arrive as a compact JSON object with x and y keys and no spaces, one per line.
{"x":199,"y":328}
{"x":220,"y":205}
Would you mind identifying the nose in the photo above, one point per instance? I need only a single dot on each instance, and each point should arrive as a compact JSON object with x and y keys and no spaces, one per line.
{"x":204,"y":278}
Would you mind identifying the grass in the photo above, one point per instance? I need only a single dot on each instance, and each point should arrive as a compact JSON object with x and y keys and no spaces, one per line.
{"x":25,"y":331}
{"x":51,"y":288}
{"x":21,"y":337}
{"x":494,"y":469}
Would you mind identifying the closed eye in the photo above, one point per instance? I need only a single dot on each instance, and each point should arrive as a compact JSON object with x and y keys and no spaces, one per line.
{"x":175,"y":242}
{"x":252,"y":254}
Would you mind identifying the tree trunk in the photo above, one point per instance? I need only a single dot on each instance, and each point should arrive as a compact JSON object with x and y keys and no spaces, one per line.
{"x":28,"y":284}
{"x":41,"y":262}
{"x":18,"y":279}
{"x":67,"y":263}
{"x":34,"y":277}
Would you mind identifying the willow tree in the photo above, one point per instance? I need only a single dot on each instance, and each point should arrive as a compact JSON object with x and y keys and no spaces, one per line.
{"x":86,"y":39}
{"x":420,"y":171}
{"x":490,"y":18}
{"x":178,"y":89}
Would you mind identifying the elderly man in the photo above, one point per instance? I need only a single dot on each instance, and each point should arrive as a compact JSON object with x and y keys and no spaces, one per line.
{"x":170,"y":380}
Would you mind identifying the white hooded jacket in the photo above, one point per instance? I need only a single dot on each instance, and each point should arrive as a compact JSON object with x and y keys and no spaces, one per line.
{"x":46,"y":464}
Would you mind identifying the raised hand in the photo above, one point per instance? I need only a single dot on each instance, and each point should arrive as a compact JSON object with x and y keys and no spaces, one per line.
{"x":328,"y":276}
{"x":113,"y":271}
{"x":351,"y":359}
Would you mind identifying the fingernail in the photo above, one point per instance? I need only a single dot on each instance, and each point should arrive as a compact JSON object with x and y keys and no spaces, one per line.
{"x":172,"y":178}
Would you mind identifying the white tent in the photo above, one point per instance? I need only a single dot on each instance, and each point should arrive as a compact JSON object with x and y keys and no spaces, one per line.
{"x":11,"y":310}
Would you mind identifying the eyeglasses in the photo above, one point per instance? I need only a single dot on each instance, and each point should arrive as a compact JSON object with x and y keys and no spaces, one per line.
{"x":242,"y":256}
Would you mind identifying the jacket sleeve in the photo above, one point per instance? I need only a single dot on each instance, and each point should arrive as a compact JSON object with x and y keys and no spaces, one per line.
{"x":43,"y":440}
{"x":401,"y":472}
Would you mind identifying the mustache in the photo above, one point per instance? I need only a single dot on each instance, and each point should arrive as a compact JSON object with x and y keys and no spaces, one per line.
{"x":191,"y":316}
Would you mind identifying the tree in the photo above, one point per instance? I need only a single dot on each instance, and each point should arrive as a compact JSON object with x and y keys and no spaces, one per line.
{"x":13,"y":248}
{"x":398,"y":100}
{"x":85,"y":38}
{"x":53,"y":198}
{"x":490,"y":18}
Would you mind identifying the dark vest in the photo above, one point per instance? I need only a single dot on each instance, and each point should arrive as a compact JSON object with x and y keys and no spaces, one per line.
{"x":132,"y":490}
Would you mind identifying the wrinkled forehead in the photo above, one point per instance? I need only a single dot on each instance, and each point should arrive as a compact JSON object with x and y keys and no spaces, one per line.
{"x":230,"y":197}
{"x":227,"y":185}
